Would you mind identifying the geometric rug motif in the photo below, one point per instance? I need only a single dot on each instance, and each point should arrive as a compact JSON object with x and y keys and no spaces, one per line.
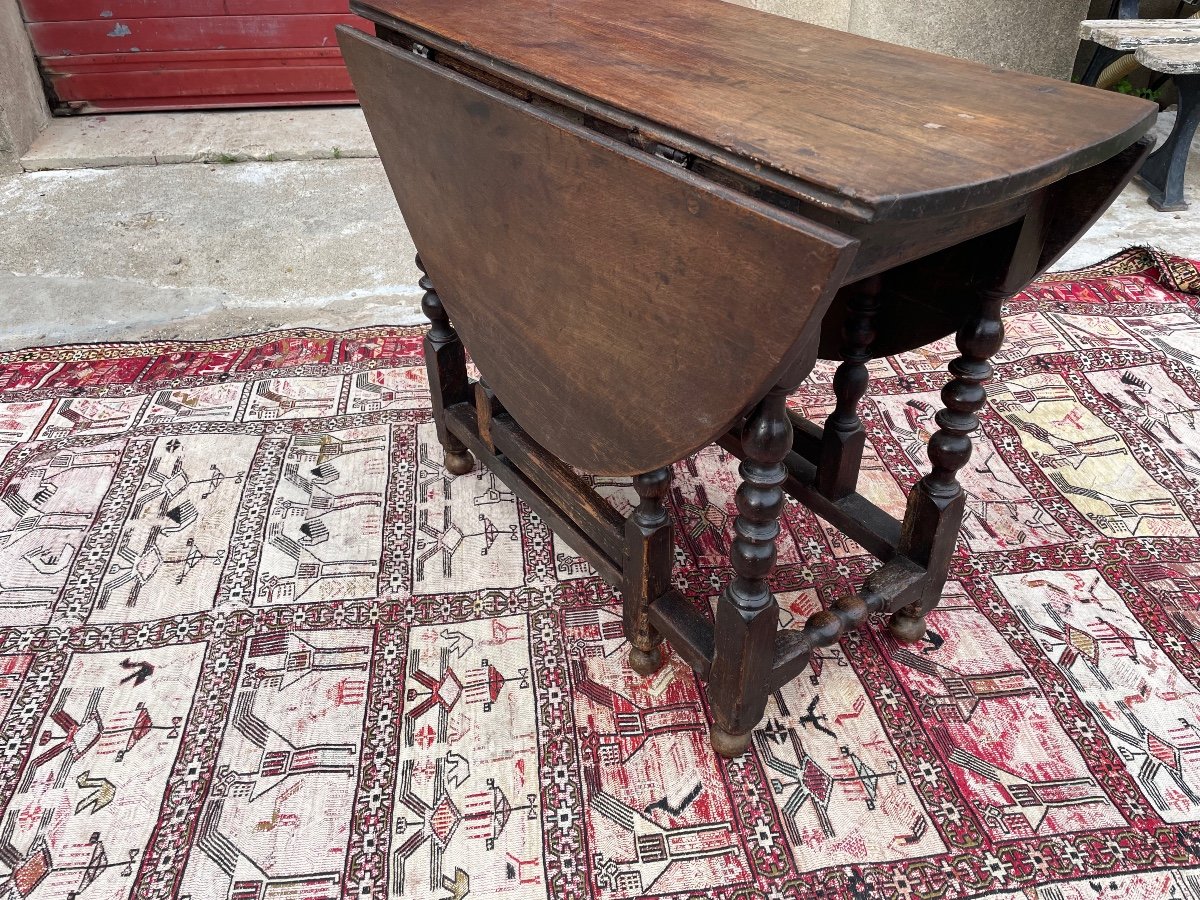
{"x":256,"y":645}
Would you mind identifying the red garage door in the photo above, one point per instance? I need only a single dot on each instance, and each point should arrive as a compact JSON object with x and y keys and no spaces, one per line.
{"x":110,"y":55}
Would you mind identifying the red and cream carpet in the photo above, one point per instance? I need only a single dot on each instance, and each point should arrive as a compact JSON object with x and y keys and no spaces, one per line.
{"x":255,"y":645}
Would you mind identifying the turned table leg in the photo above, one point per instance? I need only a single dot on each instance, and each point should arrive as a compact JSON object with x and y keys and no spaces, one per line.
{"x":844,"y":437}
{"x":446,"y":364}
{"x":935,"y":505}
{"x":647,"y":573}
{"x":747,"y":612}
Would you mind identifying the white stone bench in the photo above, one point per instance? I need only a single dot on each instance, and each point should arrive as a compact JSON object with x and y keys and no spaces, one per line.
{"x":1172,"y":59}
{"x":1129,"y":34}
{"x":1171,"y":47}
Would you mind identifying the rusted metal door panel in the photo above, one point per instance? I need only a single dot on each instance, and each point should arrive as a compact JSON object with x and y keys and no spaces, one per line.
{"x":122,"y":55}
{"x":88,"y":10}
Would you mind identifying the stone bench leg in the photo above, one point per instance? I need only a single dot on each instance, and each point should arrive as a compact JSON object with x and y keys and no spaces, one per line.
{"x":1162,"y":174}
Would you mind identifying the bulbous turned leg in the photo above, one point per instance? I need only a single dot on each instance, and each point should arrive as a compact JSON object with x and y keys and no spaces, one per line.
{"x":446,"y":365}
{"x":843,"y":438}
{"x":747,"y":612}
{"x":936,"y":502}
{"x":647,"y":572}
{"x":646,"y":662}
{"x":906,"y":627}
{"x":730,"y":746}
{"x":459,"y":462}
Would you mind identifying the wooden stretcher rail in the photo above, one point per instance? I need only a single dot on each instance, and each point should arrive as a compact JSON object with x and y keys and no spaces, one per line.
{"x":573,"y":509}
{"x":855,"y":515}
{"x":560,"y":483}
{"x":463,"y":423}
{"x":892,"y":586}
{"x":684,"y":626}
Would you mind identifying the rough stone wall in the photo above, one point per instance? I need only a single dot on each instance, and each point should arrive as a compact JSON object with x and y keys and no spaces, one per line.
{"x":23,"y":110}
{"x":1030,"y":35}
{"x":1040,"y":36}
{"x":830,"y":13}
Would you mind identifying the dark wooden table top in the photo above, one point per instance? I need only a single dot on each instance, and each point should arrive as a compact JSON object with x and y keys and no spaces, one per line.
{"x":872,"y":130}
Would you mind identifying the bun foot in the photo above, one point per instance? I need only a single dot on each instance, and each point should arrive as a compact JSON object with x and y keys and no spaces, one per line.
{"x":645,"y":663}
{"x":905,"y":628}
{"x":728,"y":745}
{"x":459,"y":462}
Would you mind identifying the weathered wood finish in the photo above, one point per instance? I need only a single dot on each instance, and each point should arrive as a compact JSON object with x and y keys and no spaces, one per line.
{"x":1133,"y":33}
{"x":1105,"y":56}
{"x":1173,"y":59}
{"x":907,"y":134}
{"x":640,"y":267}
{"x":593,"y":258}
{"x":1170,"y":47}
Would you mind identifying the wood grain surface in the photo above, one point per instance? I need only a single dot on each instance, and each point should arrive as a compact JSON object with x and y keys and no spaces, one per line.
{"x":624,"y":311}
{"x":874,"y":129}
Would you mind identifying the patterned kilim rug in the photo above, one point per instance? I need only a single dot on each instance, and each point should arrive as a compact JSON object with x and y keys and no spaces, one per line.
{"x":255,"y":645}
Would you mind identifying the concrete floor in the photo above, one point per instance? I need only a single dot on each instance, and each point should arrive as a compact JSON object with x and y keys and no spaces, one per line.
{"x":202,"y":250}
{"x":162,"y":138}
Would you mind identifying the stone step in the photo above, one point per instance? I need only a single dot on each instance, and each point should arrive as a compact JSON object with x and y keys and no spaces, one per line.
{"x":148,"y":139}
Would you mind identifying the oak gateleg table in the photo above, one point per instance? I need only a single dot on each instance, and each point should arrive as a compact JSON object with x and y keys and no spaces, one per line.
{"x":647,"y":219}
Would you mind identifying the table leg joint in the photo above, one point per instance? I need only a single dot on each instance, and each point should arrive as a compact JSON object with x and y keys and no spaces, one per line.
{"x":853,"y":514}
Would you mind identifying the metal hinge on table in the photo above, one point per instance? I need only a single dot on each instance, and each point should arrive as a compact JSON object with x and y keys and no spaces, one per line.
{"x":671,"y":155}
{"x":421,"y":50}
